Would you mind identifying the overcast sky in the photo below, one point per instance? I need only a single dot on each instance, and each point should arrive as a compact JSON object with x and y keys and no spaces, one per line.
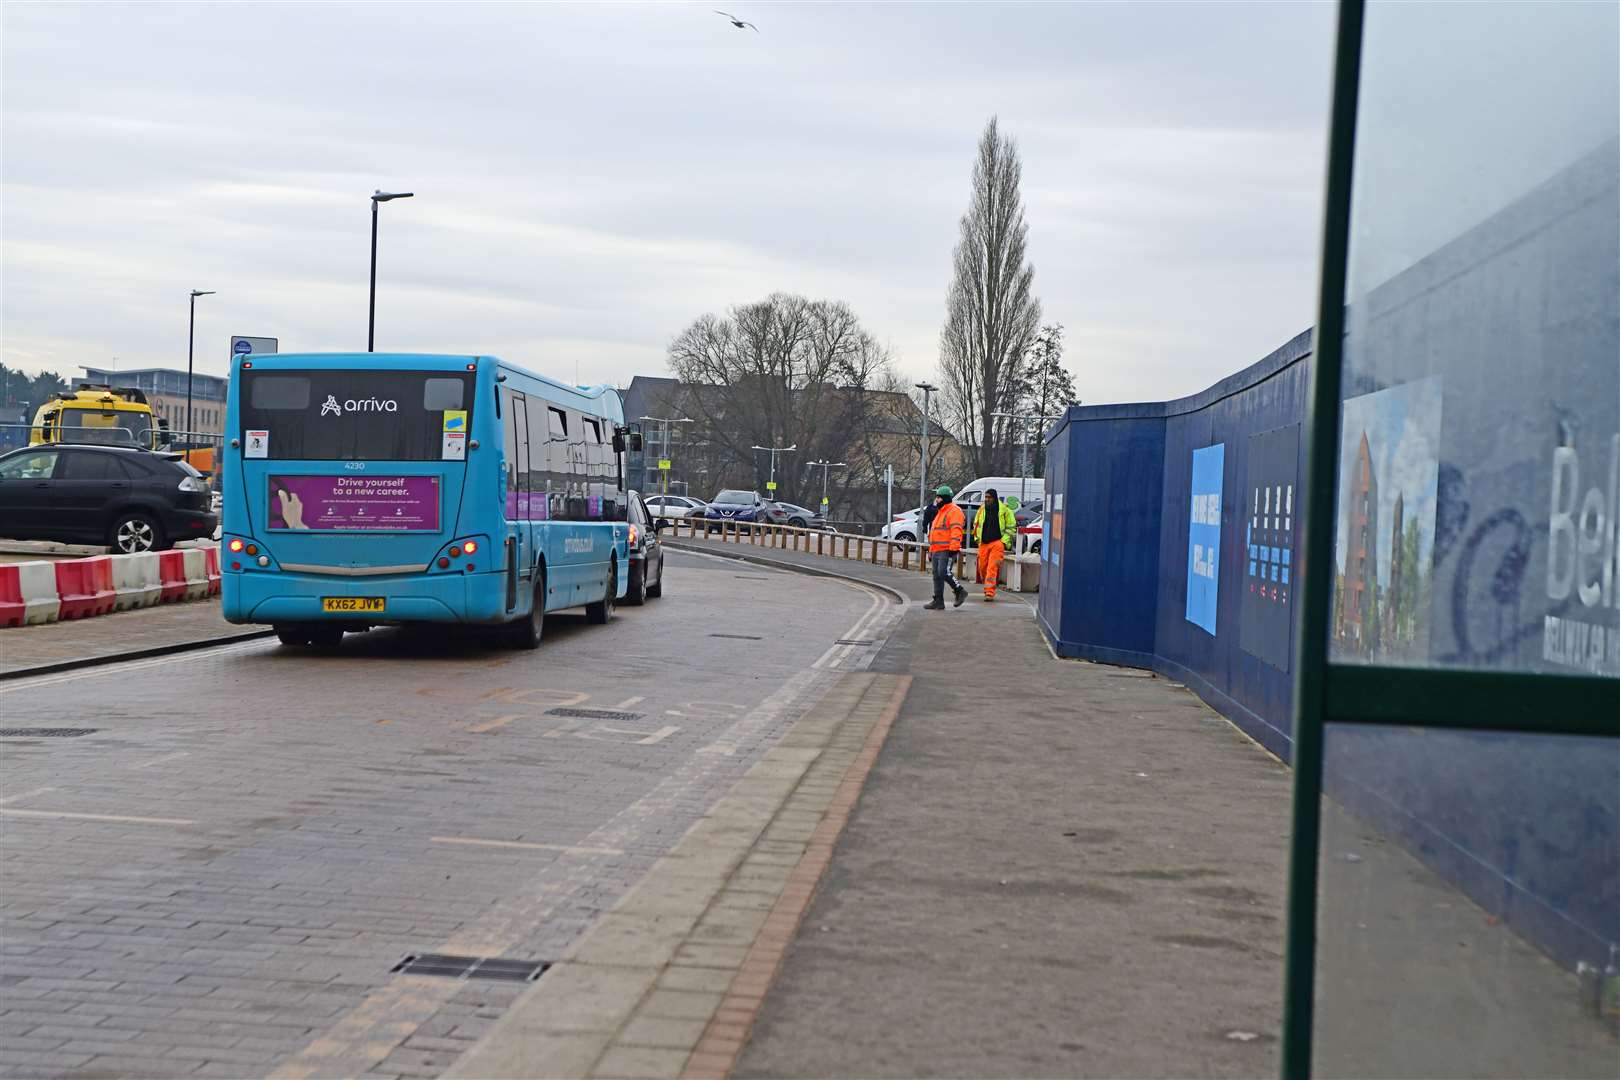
{"x":589,"y":179}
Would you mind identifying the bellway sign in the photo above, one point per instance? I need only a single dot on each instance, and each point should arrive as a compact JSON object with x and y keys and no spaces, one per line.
{"x":242,"y":345}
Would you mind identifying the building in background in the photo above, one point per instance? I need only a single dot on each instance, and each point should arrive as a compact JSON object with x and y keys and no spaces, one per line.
{"x":165,"y":389}
{"x":883,"y":429}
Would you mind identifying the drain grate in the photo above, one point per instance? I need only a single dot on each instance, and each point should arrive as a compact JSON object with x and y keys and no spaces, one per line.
{"x":594,"y":714}
{"x":740,"y":637}
{"x":470,"y":967}
{"x":45,"y":732}
{"x":854,"y":641}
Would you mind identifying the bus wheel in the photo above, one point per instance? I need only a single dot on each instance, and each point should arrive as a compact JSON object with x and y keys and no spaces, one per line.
{"x":525,"y":633}
{"x":602,"y":611}
{"x":637,"y":595}
{"x":291,"y":635}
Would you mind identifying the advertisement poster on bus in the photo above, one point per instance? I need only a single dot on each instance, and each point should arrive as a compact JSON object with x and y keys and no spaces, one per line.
{"x":362,"y":503}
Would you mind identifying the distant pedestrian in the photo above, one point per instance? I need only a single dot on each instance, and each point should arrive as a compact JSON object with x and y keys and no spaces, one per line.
{"x":993,"y":527}
{"x":945,"y":533}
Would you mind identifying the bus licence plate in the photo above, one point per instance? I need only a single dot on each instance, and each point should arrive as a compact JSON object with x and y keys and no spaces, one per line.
{"x":351,"y":603}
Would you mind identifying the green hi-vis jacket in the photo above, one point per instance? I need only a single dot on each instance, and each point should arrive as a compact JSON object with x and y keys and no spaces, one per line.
{"x":1009,"y":525}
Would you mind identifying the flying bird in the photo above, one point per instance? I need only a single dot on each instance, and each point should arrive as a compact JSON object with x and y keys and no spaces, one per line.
{"x":738,"y":23}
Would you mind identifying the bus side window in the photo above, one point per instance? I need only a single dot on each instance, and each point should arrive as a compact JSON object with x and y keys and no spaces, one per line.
{"x":509,"y":436}
{"x":520,"y":460}
{"x":539,"y":461}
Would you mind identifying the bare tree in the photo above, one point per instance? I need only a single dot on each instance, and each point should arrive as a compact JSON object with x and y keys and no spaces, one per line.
{"x":991,"y":314}
{"x":780,"y":372}
{"x":1046,"y":388}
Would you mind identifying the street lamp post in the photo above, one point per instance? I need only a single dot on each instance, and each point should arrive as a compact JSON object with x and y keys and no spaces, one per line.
{"x":825,"y":467}
{"x":371,"y":319}
{"x":191,"y":341}
{"x":1023,"y":445}
{"x":928,"y":390}
{"x":664,"y":454}
{"x":774,"y":450}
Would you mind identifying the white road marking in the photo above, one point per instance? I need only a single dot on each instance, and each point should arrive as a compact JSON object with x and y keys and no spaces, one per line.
{"x":723,"y":748}
{"x":629,"y":701}
{"x":120,"y":818}
{"x":568,"y":849}
{"x":161,"y":760}
{"x":25,"y":795}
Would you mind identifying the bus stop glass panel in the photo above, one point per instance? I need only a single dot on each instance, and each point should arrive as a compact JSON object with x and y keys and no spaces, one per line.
{"x":1468,"y":918}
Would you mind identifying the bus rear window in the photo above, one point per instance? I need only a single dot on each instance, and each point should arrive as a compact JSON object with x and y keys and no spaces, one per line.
{"x":356,"y":415}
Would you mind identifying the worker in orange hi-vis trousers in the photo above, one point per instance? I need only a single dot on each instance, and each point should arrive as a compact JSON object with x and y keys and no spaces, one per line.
{"x":994,"y":527}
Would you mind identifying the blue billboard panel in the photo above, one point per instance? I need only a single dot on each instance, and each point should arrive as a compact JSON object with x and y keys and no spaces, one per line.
{"x":1204,"y":536}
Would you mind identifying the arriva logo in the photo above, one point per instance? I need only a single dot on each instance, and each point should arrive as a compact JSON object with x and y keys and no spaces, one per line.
{"x":330,"y":405}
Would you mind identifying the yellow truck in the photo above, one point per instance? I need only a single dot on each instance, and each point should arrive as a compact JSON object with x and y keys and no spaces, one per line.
{"x":109,"y":415}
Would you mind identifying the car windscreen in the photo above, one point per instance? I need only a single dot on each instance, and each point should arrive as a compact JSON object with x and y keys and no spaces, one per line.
{"x":356,"y":415}
{"x":735,"y":497}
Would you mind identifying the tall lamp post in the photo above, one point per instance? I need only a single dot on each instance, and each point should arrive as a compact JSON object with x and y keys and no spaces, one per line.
{"x":663,"y":446}
{"x":371,"y":320}
{"x":191,"y":342}
{"x":825,"y":467}
{"x":774,"y":450}
{"x":928,"y":389}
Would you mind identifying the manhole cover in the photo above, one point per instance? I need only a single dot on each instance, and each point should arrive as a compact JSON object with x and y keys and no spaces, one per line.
{"x":45,"y":732}
{"x":740,"y":637}
{"x":470,"y":967}
{"x":594,"y":714}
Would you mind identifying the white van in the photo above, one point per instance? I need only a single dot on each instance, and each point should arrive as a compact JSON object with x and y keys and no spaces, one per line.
{"x":1032,"y":488}
{"x":970,"y":498}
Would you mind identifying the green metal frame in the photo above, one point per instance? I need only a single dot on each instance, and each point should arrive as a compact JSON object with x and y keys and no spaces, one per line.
{"x":1327,"y":693}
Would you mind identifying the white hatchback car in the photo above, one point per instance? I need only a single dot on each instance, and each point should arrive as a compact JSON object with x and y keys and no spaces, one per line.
{"x":669,"y":507}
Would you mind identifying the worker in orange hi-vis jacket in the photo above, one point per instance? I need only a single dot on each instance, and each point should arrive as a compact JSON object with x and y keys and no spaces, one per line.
{"x":994,"y":526}
{"x":945,"y":536}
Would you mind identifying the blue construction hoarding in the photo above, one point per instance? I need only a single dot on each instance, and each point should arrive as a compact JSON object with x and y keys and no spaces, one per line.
{"x":1477,"y":528}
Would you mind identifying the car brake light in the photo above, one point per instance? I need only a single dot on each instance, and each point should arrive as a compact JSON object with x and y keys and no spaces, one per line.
{"x":632,"y":536}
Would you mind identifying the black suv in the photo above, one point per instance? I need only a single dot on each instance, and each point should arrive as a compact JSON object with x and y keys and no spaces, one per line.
{"x":130,"y":500}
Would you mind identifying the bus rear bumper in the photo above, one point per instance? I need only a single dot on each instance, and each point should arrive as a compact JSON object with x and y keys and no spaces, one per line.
{"x":276,"y":597}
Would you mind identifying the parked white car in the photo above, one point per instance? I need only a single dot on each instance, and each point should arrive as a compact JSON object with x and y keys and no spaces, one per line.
{"x":903,"y":527}
{"x":669,"y":507}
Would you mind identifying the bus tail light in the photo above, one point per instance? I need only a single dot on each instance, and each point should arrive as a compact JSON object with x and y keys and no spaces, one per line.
{"x":236,"y":543}
{"x":444,"y":563}
{"x":470,"y":546}
{"x":455,"y":552}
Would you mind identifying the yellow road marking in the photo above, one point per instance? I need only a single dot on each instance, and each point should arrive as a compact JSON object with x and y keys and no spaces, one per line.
{"x":121,"y":818}
{"x":491,"y":725}
{"x":567,"y":848}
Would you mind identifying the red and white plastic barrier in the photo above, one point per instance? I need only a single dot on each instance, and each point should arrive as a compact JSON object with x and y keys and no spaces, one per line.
{"x":42,"y":592}
{"x":136,"y":580}
{"x":28,"y":594}
{"x":85,"y":587}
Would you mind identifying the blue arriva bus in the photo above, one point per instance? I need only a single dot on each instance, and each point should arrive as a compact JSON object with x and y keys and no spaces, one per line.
{"x":365,"y":489}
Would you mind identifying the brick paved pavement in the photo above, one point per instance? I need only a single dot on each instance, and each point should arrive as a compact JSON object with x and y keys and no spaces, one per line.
{"x":218,"y":881}
{"x":197,"y":621}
